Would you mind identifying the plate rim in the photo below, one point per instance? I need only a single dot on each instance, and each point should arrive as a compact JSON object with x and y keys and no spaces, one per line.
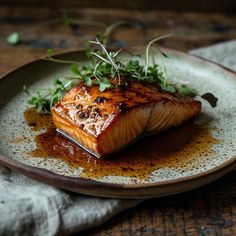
{"x":11,"y":163}
{"x":80,"y":181}
{"x":81,"y":50}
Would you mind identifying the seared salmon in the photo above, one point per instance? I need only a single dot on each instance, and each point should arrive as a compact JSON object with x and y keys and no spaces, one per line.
{"x":105,"y":122}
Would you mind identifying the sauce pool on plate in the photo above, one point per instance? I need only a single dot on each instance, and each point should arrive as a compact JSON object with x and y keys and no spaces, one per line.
{"x":139,"y":160}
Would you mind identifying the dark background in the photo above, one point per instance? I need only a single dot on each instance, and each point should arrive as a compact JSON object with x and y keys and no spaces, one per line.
{"x":227,"y":6}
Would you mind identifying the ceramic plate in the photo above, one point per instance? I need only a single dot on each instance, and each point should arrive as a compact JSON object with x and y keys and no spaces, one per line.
{"x":174,"y":161}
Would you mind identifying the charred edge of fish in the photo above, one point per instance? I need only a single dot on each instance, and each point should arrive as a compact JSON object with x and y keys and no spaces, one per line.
{"x":99,"y":99}
{"x":96,"y":110}
{"x":83,"y":115}
{"x":81,"y":126}
{"x":121,"y":107}
{"x":79,"y":107}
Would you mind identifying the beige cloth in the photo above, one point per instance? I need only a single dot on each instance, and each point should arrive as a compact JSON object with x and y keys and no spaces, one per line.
{"x":30,"y":208}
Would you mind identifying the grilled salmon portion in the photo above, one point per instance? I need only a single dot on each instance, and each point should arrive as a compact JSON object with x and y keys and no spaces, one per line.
{"x":105,"y":122}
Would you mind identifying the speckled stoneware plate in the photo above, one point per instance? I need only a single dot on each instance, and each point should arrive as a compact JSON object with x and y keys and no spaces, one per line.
{"x":174,"y":161}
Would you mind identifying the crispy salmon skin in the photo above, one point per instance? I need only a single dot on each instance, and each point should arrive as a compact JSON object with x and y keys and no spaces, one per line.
{"x":105,"y":122}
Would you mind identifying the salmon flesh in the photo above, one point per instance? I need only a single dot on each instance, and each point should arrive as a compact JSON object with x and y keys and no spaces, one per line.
{"x":105,"y":122}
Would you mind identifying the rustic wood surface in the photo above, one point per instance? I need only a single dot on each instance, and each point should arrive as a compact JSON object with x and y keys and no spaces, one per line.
{"x":227,"y":6}
{"x":210,"y":210}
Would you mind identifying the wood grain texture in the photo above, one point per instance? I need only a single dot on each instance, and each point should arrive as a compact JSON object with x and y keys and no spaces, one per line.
{"x":210,"y":210}
{"x":42,"y":28}
{"x":228,"y":6}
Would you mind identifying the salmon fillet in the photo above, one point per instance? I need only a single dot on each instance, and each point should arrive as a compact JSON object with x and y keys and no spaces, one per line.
{"x":105,"y":122}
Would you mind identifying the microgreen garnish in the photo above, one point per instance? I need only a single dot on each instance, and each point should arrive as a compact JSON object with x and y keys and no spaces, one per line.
{"x":49,"y":57}
{"x":210,"y":98}
{"x":44,"y":99}
{"x":65,"y":19}
{"x":50,"y":52}
{"x":13,"y":38}
{"x":148,"y":48}
{"x":107,"y":71}
{"x":111,"y":27}
{"x":187,"y":91}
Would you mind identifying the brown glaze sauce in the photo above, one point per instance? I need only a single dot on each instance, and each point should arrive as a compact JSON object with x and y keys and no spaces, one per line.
{"x":17,"y":140}
{"x":138,"y":160}
{"x":38,"y":121}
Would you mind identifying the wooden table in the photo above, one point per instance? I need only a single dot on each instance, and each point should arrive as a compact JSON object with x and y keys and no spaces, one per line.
{"x":210,"y":210}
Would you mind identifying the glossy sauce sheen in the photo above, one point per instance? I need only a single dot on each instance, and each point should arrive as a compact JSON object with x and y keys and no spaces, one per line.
{"x":38,"y":121}
{"x":171,"y":147}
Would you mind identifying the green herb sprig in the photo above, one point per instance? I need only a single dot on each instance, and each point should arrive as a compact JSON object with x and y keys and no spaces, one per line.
{"x":13,"y":38}
{"x":104,"y":71}
{"x":44,"y":99}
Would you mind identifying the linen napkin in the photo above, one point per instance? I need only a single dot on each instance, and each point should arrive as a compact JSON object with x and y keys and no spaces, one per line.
{"x":28,"y":207}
